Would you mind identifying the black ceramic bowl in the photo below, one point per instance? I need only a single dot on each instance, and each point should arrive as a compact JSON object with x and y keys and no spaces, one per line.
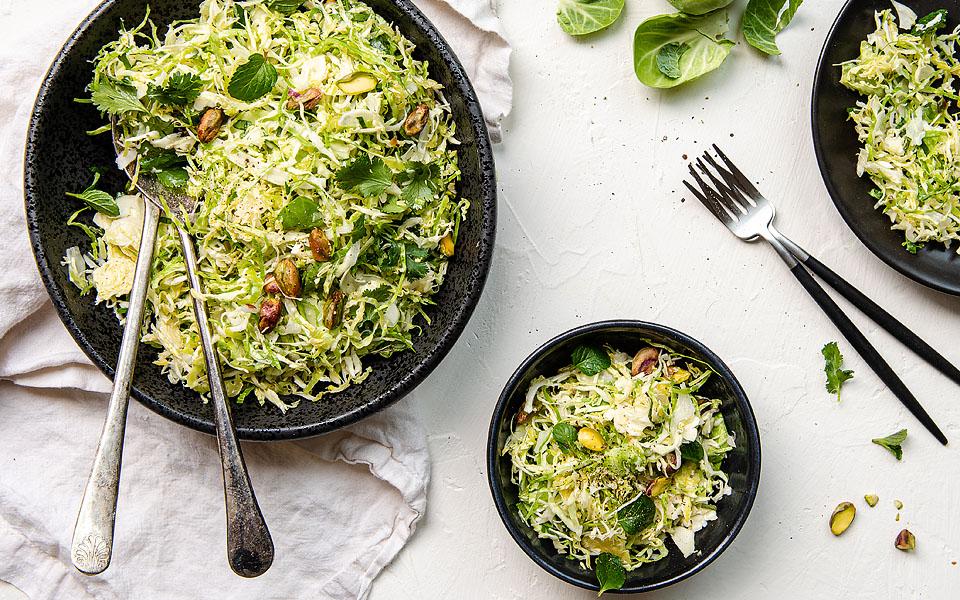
{"x":835,"y":142}
{"x":743,"y":463}
{"x":59,"y":155}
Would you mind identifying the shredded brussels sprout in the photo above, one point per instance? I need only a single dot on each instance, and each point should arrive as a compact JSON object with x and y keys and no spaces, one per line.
{"x":320,"y":145}
{"x":908,"y":124}
{"x":615,"y":462}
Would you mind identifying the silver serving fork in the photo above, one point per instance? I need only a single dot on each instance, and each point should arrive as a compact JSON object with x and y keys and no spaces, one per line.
{"x":249,"y":545}
{"x":737,"y":203}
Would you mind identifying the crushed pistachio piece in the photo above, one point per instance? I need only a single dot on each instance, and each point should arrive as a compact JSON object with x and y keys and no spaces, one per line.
{"x":906,"y":541}
{"x":871,"y":499}
{"x":898,"y":504}
{"x":842,"y":517}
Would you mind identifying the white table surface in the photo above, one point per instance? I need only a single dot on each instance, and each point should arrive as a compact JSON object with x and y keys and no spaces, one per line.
{"x":592,"y":227}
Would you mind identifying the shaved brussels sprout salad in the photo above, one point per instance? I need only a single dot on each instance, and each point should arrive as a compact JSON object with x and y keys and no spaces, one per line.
{"x":614,"y":454}
{"x":325,"y":161}
{"x":908,"y":124}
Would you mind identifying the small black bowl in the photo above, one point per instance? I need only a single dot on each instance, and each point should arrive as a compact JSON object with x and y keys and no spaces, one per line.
{"x":59,"y":154}
{"x":836,"y":145}
{"x":742,"y":463}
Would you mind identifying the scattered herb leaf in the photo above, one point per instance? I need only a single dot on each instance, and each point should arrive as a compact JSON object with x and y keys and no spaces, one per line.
{"x":931,"y":22}
{"x":285,"y":6}
{"x":691,"y":451}
{"x":253,"y":79}
{"x":764,"y":19}
{"x":893,"y":442}
{"x":912,"y":247}
{"x":180,"y":90}
{"x":833,"y":360}
{"x":565,"y":435}
{"x":301,"y":213}
{"x":98,"y":200}
{"x":590,"y":359}
{"x":420,"y":187}
{"x":638,"y":515}
{"x":414,"y":256}
{"x":365,"y":176}
{"x":609,"y":571}
{"x":580,"y":17}
{"x":115,"y":98}
{"x":173,"y":179}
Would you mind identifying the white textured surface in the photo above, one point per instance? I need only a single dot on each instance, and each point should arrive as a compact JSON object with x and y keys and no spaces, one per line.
{"x":591,"y":227}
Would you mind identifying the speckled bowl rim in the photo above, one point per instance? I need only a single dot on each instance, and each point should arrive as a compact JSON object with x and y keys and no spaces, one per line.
{"x":743,"y":407}
{"x":468,"y":301}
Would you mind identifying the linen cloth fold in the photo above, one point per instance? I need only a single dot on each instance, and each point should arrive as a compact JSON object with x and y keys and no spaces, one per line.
{"x":339,"y":507}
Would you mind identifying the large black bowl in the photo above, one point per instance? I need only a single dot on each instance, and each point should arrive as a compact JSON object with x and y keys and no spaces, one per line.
{"x":742,"y":463}
{"x":59,"y":155}
{"x":835,"y":142}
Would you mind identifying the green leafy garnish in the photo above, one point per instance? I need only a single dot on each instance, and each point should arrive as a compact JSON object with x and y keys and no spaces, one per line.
{"x":893,"y":442}
{"x":414,"y":259}
{"x":912,"y":247}
{"x":174,"y":179}
{"x":609,"y":571}
{"x":115,"y":98}
{"x":931,"y":22}
{"x":98,"y":200}
{"x":668,"y":58}
{"x":698,"y":7}
{"x":580,"y":17}
{"x":154,"y":159}
{"x":638,"y":515}
{"x":253,"y":79}
{"x":692,"y":451}
{"x":285,"y":6}
{"x":590,"y":359}
{"x":420,"y":187}
{"x":835,"y":375}
{"x":565,"y":435}
{"x":181,"y":90}
{"x":702,"y":35}
{"x":301,"y":213}
{"x":365,"y":176}
{"x":764,"y":19}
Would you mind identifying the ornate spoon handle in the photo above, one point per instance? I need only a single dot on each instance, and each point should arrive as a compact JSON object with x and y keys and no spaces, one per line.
{"x":92,"y":544}
{"x":249,"y":546}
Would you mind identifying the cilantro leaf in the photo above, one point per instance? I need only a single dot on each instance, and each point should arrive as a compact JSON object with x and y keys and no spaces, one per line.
{"x":912,"y":247}
{"x":301,"y":213}
{"x":609,"y":571}
{"x":835,"y":375}
{"x":590,"y":359}
{"x":638,"y":515}
{"x":668,"y":58}
{"x":365,"y":176}
{"x":893,"y":442}
{"x":420,"y":187}
{"x":115,"y":98}
{"x":413,"y":258}
{"x":98,"y":200}
{"x":253,"y":79}
{"x":565,"y":435}
{"x":181,"y":90}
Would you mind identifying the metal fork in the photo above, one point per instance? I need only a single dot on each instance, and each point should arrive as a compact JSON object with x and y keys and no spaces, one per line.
{"x":737,"y":203}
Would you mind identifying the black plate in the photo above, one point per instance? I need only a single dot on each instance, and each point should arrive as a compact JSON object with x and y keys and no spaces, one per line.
{"x":59,"y":154}
{"x":742,"y":463}
{"x":835,"y":142}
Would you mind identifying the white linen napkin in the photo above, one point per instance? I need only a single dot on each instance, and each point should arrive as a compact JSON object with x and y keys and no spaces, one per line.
{"x":339,"y":507}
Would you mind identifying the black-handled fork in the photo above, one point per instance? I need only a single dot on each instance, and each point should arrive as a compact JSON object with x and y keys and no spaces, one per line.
{"x":735,"y":201}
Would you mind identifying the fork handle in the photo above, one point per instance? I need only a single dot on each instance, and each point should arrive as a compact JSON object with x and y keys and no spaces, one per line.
{"x":884,"y":319}
{"x":866,"y":350}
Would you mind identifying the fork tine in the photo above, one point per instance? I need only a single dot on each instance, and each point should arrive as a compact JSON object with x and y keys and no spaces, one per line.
{"x":732,"y":194}
{"x":741,"y":179}
{"x":730,"y":181}
{"x":709,"y":199}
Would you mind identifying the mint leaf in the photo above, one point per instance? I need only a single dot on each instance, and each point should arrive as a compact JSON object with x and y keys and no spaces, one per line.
{"x":893,"y":442}
{"x":180,"y":90}
{"x":609,"y":571}
{"x":691,"y":451}
{"x":253,"y":79}
{"x":301,"y":213}
{"x":420,"y":187}
{"x":638,"y":515}
{"x":173,"y":179}
{"x":835,"y":375}
{"x":115,"y":98}
{"x":285,"y":7}
{"x":413,"y":258}
{"x":155,"y":159}
{"x":565,"y":435}
{"x":365,"y":176}
{"x":668,"y":58}
{"x":98,"y":200}
{"x":590,"y":359}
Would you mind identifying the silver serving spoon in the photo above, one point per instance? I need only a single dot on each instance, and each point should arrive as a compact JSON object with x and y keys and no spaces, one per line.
{"x":249,"y":545}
